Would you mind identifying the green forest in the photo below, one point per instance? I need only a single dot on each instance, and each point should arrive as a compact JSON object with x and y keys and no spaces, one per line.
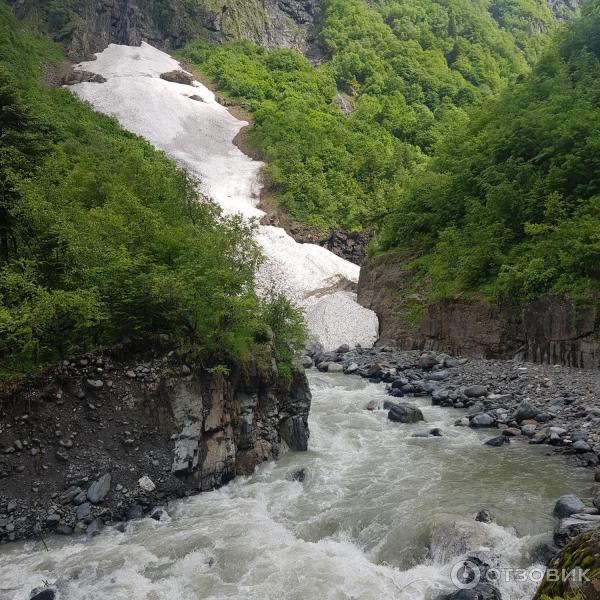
{"x":410,"y":71}
{"x":472,"y":143}
{"x":510,"y":204}
{"x":465,"y":133}
{"x":104,"y":240}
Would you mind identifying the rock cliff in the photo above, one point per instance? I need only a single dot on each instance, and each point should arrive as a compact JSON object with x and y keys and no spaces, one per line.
{"x":88,"y":26}
{"x":552,"y":329}
{"x":139,"y":431}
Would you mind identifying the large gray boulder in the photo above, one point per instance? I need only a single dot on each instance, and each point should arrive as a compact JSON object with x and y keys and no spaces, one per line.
{"x":401,"y":412}
{"x":525,"y":411}
{"x":567,"y":505}
{"x":476,"y":391}
{"x":482,"y":420}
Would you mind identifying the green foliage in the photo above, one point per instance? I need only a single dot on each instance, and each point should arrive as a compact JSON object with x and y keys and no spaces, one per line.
{"x":511,"y":203}
{"x":409,"y":69}
{"x":103,"y":239}
{"x":284,"y":328}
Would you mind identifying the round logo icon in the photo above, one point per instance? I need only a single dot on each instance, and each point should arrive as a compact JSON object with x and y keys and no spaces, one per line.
{"x":465,"y":575}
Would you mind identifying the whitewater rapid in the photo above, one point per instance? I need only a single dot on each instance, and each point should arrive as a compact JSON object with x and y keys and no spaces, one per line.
{"x":189,"y":125}
{"x":381,"y":515}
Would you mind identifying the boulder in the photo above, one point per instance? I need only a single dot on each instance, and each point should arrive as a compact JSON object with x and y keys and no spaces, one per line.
{"x":427,"y":362}
{"x":177,"y":76}
{"x":498,"y":441}
{"x":335,"y":368}
{"x":403,"y":413}
{"x":482,"y":420}
{"x":438,"y":375}
{"x":581,"y":446}
{"x":476,"y":391}
{"x":525,"y":411}
{"x":42,"y":594}
{"x":99,"y":489}
{"x":567,"y":505}
{"x":146,"y":484}
{"x":573,"y":526}
{"x":484,"y":516}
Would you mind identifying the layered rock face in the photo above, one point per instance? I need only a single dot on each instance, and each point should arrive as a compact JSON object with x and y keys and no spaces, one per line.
{"x":109,"y":438}
{"x":552,"y":329}
{"x":88,"y":26}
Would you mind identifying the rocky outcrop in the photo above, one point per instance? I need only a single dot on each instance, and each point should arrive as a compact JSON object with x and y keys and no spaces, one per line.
{"x":87,"y":26}
{"x":349,"y":245}
{"x":109,"y":438}
{"x":552,"y":329}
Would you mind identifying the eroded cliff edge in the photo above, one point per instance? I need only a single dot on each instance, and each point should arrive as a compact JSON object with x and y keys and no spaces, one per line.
{"x":108,"y":438}
{"x":552,"y":329}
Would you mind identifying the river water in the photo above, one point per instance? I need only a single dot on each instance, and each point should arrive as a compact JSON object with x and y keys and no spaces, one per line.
{"x":380,"y":515}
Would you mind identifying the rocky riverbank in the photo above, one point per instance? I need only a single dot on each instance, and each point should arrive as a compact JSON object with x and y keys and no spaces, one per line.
{"x":518,"y":402}
{"x":109,"y":438}
{"x":536,"y":403}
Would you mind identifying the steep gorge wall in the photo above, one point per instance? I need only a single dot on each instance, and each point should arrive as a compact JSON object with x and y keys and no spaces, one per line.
{"x":88,"y":26}
{"x":119,"y":418}
{"x":552,"y":329}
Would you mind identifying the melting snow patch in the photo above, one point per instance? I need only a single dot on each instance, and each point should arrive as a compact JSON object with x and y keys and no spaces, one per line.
{"x":199,"y":136}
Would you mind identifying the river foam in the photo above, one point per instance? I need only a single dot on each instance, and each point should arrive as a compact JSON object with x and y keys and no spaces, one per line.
{"x":198,"y":133}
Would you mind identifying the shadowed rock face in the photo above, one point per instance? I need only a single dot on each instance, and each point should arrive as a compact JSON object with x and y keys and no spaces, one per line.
{"x":90,"y":26}
{"x":551,"y":329}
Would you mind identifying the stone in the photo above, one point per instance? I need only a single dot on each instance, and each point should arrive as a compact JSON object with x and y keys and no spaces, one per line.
{"x":52,"y":520}
{"x":435,"y":432}
{"x":299,"y":475}
{"x":84,"y":511}
{"x":484,"y":516}
{"x":135,"y":511}
{"x":511,"y":432}
{"x":525,"y":411}
{"x":68,"y":496}
{"x":307,"y":361}
{"x":157,"y":514}
{"x":476,"y":391}
{"x":80,"y":498}
{"x":99,"y":489}
{"x":343,"y":349}
{"x":482,"y":420}
{"x":573,"y":526}
{"x":351,"y":368}
{"x":372,"y":405}
{"x":437,"y":375}
{"x":427,"y":362}
{"x":177,"y":76}
{"x":403,"y":413}
{"x":528,"y":430}
{"x":567,"y":505}
{"x":581,"y":446}
{"x":146,"y":484}
{"x":42,"y":594}
{"x":95,"y":527}
{"x":94,"y":384}
{"x":498,"y":441}
{"x":335,"y":368}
